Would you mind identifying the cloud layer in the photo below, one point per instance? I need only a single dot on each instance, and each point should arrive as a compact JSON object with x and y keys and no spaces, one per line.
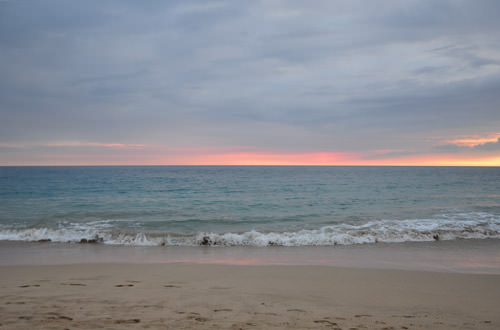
{"x":276,"y":77}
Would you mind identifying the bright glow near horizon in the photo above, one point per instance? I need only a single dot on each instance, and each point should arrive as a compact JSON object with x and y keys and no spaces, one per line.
{"x":264,"y":158}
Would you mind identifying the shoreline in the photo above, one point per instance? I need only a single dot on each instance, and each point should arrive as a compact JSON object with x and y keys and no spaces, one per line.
{"x":459,"y":256}
{"x":195,"y":296}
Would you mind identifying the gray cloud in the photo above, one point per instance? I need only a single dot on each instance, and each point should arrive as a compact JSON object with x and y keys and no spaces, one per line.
{"x":343,"y":75}
{"x":488,"y":146}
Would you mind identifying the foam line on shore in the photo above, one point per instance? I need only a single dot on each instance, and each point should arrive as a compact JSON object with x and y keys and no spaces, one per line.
{"x":476,"y":226}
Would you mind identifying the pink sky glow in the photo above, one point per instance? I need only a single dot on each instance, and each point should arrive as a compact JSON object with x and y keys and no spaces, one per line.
{"x":117,"y":154}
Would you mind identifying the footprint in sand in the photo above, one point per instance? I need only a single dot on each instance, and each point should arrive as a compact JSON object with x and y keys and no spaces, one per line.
{"x":325,"y":322}
{"x":29,"y":285}
{"x":123,"y":285}
{"x":25,"y":317}
{"x":74,"y":284}
{"x":296,"y":310}
{"x":171,"y":286}
{"x":197,"y":317}
{"x":223,"y":310}
{"x":130,"y":321}
{"x":60,"y":317}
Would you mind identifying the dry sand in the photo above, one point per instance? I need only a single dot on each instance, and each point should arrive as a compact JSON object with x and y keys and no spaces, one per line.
{"x":190,"y":296}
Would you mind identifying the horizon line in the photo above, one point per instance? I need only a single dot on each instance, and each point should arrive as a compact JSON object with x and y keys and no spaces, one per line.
{"x":241,"y":165}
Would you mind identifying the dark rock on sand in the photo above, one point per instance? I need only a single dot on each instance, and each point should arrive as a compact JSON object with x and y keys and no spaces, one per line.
{"x":94,"y":240}
{"x":206,"y":241}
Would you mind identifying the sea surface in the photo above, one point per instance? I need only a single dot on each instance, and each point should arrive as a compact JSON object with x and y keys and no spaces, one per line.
{"x":248,"y":205}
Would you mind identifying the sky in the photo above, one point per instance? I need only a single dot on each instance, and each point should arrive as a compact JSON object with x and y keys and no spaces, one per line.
{"x":250,"y":82}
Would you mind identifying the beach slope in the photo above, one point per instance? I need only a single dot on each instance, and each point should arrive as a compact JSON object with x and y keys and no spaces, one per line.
{"x":193,"y":296}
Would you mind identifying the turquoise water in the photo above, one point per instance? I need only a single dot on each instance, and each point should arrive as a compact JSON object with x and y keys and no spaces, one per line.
{"x":254,"y":205}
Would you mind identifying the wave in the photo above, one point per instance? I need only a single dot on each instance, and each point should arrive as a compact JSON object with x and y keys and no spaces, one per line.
{"x":447,"y":227}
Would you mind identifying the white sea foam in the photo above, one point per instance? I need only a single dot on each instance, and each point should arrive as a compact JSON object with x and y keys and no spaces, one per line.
{"x":446,"y":227}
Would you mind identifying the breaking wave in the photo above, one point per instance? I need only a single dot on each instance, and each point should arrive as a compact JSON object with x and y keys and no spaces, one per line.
{"x":465,"y":226}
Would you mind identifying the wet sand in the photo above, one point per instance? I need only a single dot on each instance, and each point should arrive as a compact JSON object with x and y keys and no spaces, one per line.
{"x":461,"y":256}
{"x":201,"y":296}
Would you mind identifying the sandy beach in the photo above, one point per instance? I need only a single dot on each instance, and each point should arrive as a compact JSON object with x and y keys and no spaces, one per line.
{"x":196,"y":296}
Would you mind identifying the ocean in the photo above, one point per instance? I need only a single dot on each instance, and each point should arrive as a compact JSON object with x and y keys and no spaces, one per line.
{"x":238,"y":206}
